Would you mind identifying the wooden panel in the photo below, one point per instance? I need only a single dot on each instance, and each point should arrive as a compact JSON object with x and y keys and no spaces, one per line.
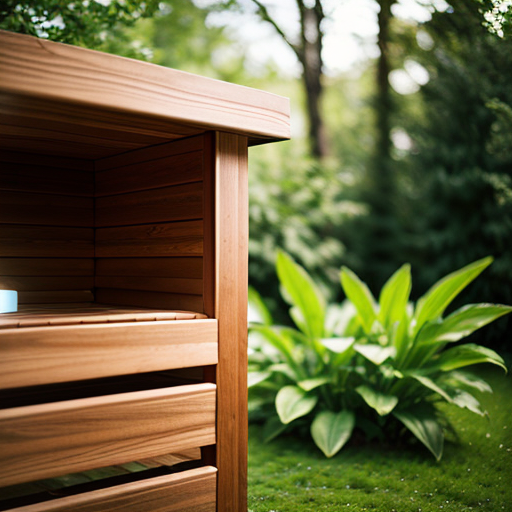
{"x":46,"y":209}
{"x":46,"y":440}
{"x":24,"y":284}
{"x":151,"y":284}
{"x":55,"y":162}
{"x":191,"y":268}
{"x":160,"y":151}
{"x":231,"y":259}
{"x":153,"y":240}
{"x":45,"y":297}
{"x":150,"y":299}
{"x":91,"y":80}
{"x":181,"y":202}
{"x":46,"y":267}
{"x":42,"y":241}
{"x":38,"y":178}
{"x":32,"y":356}
{"x":189,"y":491}
{"x":209,"y":225}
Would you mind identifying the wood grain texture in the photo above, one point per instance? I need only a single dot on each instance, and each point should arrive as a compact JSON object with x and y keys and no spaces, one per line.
{"x":148,"y":299}
{"x":27,"y":284}
{"x":89,"y":81}
{"x":33,"y":356}
{"x":55,"y":296}
{"x":151,"y":240}
{"x":46,"y":267}
{"x":180,"y":202}
{"x":149,"y":284}
{"x":46,"y":440}
{"x":52,"y":161}
{"x":45,"y":179}
{"x":231,"y":259}
{"x":43,"y":241}
{"x":190,"y":268}
{"x":189,"y":491}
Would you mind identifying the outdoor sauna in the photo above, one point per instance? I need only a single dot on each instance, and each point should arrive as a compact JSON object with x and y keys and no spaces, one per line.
{"x":124,"y":229}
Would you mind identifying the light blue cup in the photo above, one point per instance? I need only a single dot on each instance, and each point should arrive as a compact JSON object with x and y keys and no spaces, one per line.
{"x":8,"y":301}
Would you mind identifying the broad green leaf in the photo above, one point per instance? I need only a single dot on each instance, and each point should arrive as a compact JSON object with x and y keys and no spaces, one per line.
{"x":458,"y":378}
{"x":258,"y":311}
{"x":254,"y":378}
{"x":375,"y":353}
{"x":381,"y":402}
{"x":310,"y":384}
{"x":422,"y":422}
{"x":331,"y":431}
{"x":272,"y":428}
{"x":466,"y":400}
{"x":466,"y":355}
{"x":292,"y":403}
{"x":462,"y":323}
{"x":436,"y":300}
{"x":394,"y":297}
{"x":303,"y":294}
{"x":284,"y":369}
{"x":430,"y":384}
{"x":338,"y":345}
{"x":338,"y":317}
{"x":360,"y":296}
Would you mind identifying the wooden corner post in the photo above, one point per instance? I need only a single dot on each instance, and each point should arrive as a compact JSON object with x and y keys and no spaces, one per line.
{"x":230,"y":309}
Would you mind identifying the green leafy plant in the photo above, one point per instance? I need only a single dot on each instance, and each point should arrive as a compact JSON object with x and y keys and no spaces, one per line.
{"x":380,"y":366}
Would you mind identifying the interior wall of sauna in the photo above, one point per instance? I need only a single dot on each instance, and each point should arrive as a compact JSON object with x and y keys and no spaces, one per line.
{"x":46,"y":228}
{"x":149,"y":227}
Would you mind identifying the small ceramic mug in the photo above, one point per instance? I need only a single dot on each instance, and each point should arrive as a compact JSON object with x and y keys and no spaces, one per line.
{"x":8,"y":301}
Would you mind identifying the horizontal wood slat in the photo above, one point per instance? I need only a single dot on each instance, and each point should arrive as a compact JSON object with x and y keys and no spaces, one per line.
{"x":160,"y":151}
{"x":181,"y":202}
{"x":34,"y":284}
{"x":46,"y":267}
{"x":46,"y":209}
{"x":43,"y":241}
{"x":189,"y":491}
{"x":46,"y":440}
{"x":191,"y":268}
{"x":55,"y":296}
{"x":32,"y":356}
{"x":150,"y":284}
{"x":53,"y":161}
{"x":145,"y":299}
{"x":49,"y":180}
{"x":172,"y":239}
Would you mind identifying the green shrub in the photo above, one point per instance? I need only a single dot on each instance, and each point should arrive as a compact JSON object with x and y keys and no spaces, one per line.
{"x":375,"y":366}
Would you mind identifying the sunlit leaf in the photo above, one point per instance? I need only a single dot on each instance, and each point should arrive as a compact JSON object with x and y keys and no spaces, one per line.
{"x":303,"y":293}
{"x":360,"y":296}
{"x":310,"y":384}
{"x":293,"y":402}
{"x":394,"y":297}
{"x":381,"y":402}
{"x":466,"y":355}
{"x":375,"y":353}
{"x":258,"y":311}
{"x":338,"y":345}
{"x":460,"y":378}
{"x":254,"y":378}
{"x":331,"y":431}
{"x":422,"y":422}
{"x":437,"y":299}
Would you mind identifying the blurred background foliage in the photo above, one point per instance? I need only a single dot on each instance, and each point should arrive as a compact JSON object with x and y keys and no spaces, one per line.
{"x":404,"y":156}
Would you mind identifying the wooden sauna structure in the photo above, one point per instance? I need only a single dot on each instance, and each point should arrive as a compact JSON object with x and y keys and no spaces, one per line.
{"x":124,"y":229}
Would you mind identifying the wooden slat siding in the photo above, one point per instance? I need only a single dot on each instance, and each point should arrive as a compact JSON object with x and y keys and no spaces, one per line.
{"x":45,"y":180}
{"x":150,"y":284}
{"x":89,"y":81}
{"x":151,"y":240}
{"x":55,"y":296}
{"x":52,"y":439}
{"x":146,"y":299}
{"x":52,"y":161}
{"x":161,"y":151}
{"x":46,"y":209}
{"x":46,"y":242}
{"x":27,"y":284}
{"x":173,"y":170}
{"x":189,"y":491}
{"x":180,"y":202}
{"x":46,"y":267}
{"x":231,"y":259}
{"x":35,"y":356}
{"x":189,"y":268}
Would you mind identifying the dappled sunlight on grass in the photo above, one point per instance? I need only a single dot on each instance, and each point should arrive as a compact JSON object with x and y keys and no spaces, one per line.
{"x":291,"y":475}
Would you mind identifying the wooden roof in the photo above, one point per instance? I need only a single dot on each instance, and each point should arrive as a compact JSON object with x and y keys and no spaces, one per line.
{"x":73,"y":102}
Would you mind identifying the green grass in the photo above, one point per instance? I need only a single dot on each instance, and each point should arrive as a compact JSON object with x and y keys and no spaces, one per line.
{"x":475,"y":473}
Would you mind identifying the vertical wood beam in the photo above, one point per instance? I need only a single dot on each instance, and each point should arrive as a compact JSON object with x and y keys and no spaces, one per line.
{"x":231,"y":276}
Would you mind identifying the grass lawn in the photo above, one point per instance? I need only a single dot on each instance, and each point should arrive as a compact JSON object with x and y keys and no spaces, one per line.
{"x":475,"y":473}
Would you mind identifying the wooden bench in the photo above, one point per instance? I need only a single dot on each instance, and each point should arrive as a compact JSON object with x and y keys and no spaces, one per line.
{"x":124,"y":229}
